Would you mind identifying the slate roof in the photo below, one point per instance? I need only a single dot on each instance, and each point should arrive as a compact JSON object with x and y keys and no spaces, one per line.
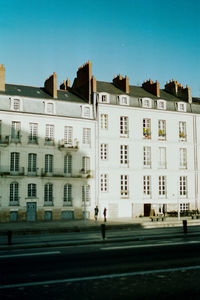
{"x":38,"y":92}
{"x":135,"y":91}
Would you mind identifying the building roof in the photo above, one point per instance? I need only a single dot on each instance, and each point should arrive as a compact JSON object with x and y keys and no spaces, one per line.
{"x":38,"y":92}
{"x":135,"y":91}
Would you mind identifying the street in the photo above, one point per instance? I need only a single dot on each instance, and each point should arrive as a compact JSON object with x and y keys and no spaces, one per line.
{"x":125,"y":270}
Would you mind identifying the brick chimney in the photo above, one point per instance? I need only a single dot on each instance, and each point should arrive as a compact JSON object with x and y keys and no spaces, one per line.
{"x":50,"y":85}
{"x":176,"y":89}
{"x":152,"y":87}
{"x":65,"y":85}
{"x":2,"y":78}
{"x":85,"y":84}
{"x":122,"y":83}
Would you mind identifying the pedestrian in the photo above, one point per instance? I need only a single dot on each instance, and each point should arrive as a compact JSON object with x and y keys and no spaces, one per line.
{"x":104,"y":213}
{"x":96,"y":211}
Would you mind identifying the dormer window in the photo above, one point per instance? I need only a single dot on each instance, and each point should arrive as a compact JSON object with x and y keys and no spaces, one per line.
{"x":49,"y":108}
{"x":181,"y":106}
{"x":104,"y":97}
{"x":123,"y":100}
{"x":146,"y":102}
{"x":16,"y":104}
{"x":86,"y":112}
{"x":161,"y":104}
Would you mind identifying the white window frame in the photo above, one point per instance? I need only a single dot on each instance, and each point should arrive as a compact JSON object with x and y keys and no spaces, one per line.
{"x":86,"y":111}
{"x":162,"y":184}
{"x":147,"y":186}
{"x":48,"y":193}
{"x":104,"y":151}
{"x":67,"y":195}
{"x":161,"y":104}
{"x":181,"y":106}
{"x":68,"y":135}
{"x":32,"y":162}
{"x":162,"y":129}
{"x":86,"y":164}
{"x":104,"y":182}
{"x":14,"y":193}
{"x":16,"y":131}
{"x":124,"y":155}
{"x":147,"y":128}
{"x":183,"y":158}
{"x":14,"y":101}
{"x":49,"y":133}
{"x":32,"y":190}
{"x":162,"y":163}
{"x":49,"y":163}
{"x":182,"y":131}
{"x":183,"y":187}
{"x":87,"y":136}
{"x":46,"y":109}
{"x":124,"y":126}
{"x":123,"y":100}
{"x":86,"y":193}
{"x":68,"y":164}
{"x":146,"y":103}
{"x":104,"y":121}
{"x":184,"y":207}
{"x":33,"y":133}
{"x":104,"y":97}
{"x":124,"y":189}
{"x":147,"y":157}
{"x":14,"y":161}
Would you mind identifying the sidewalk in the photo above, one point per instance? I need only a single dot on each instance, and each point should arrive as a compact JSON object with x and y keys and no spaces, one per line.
{"x":79,"y":225}
{"x":72,"y":233}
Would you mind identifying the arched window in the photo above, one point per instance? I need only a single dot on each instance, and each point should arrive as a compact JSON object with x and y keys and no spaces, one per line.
{"x":68,"y":194}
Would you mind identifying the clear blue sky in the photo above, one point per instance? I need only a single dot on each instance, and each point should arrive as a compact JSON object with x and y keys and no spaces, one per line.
{"x":154,"y":39}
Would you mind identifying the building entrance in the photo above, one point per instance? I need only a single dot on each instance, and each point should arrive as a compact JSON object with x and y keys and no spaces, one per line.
{"x":147,"y":210}
{"x":31,"y":211}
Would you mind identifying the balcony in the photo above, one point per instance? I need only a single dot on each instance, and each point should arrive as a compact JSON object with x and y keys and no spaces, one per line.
{"x":161,"y":135}
{"x":15,"y":139}
{"x":73,"y":146}
{"x":146,"y":133}
{"x":4,"y":140}
{"x":49,"y":142}
{"x":86,"y":173}
{"x":49,"y":202}
{"x":182,"y":136}
{"x":5,"y":170}
{"x":60,"y":173}
{"x":33,"y":140}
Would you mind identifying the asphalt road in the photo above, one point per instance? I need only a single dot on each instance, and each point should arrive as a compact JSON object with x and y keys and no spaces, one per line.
{"x":134,"y":270}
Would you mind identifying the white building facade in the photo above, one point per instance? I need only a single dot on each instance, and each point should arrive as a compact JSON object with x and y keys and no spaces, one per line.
{"x":133,"y":150}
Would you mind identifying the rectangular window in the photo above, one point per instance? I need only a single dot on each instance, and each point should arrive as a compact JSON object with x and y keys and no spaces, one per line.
{"x":15,"y":131}
{"x":32,"y":162}
{"x":162,"y":129}
{"x":14,"y":193}
{"x":184,"y":207}
{"x":48,"y":194}
{"x":147,"y":157}
{"x":123,"y":154}
{"x":33,"y":133}
{"x":104,"y":121}
{"x":182,"y":131}
{"x":86,"y":112}
{"x":86,"y":193}
{"x":32,"y":191}
{"x":68,"y":194}
{"x":147,"y":128}
{"x":183,"y":158}
{"x":14,"y":162}
{"x":147,"y":185}
{"x":104,"y":99}
{"x":162,"y":186}
{"x":183,"y":186}
{"x":104,"y":182}
{"x":124,"y":125}
{"x":68,"y":164}
{"x":85,"y":164}
{"x":124,"y":185}
{"x":49,"y":134}
{"x":162,"y":158}
{"x":104,"y":151}
{"x":68,"y":135}
{"x":16,"y":105}
{"x":87,"y":136}
{"x":48,"y":163}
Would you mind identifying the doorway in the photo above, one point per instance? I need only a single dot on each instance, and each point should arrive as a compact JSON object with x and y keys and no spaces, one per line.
{"x":31,"y":211}
{"x":147,"y":210}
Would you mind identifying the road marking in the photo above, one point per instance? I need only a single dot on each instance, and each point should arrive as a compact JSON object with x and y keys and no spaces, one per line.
{"x":30,"y":254}
{"x":109,"y":276}
{"x":149,"y":245}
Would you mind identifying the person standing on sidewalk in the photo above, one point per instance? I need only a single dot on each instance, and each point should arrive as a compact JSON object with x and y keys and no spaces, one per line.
{"x":96,"y":211}
{"x":104,"y":214}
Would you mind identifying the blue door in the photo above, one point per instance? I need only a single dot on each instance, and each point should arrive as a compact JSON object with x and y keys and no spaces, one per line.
{"x":31,"y":211}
